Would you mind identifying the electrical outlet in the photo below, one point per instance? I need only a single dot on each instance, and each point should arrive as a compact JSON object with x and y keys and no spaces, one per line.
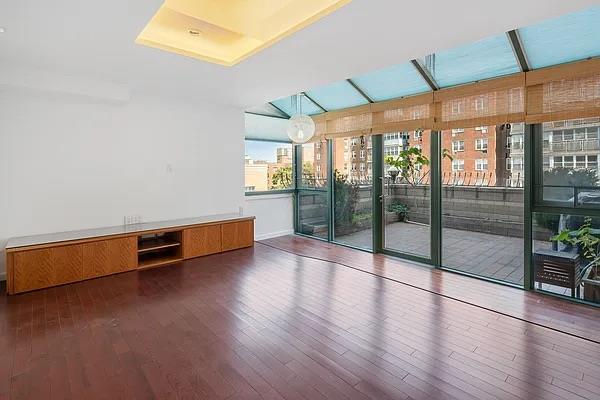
{"x":132,"y":219}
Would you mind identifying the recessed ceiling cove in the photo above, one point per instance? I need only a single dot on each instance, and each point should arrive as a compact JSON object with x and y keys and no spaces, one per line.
{"x":227,"y":32}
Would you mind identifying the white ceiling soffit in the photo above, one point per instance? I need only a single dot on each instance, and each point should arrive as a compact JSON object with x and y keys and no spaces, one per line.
{"x":96,"y":40}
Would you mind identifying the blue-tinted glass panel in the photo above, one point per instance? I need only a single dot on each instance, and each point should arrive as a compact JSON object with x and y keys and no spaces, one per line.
{"x":266,"y":109}
{"x":337,"y":96}
{"x":484,"y":59}
{"x":568,"y":38}
{"x":308,"y":107}
{"x":266,"y":128}
{"x":389,"y":83}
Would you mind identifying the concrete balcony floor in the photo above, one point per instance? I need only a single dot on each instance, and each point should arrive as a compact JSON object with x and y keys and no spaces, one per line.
{"x":492,"y":256}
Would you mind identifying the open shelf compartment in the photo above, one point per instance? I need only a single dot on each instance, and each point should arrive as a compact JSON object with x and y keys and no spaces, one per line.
{"x":159,"y":249}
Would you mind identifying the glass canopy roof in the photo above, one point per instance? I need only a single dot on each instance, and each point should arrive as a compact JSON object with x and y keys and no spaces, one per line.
{"x":286,"y":105}
{"x":337,"y":95}
{"x":572,"y":37}
{"x":484,"y":59}
{"x":568,"y":38}
{"x":390,"y":83}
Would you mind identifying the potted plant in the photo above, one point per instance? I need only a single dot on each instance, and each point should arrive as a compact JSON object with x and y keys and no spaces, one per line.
{"x":587,"y":241}
{"x":397,"y":211}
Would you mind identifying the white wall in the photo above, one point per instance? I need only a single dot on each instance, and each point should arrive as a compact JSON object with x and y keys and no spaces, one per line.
{"x":74,"y":161}
{"x":274,"y":214}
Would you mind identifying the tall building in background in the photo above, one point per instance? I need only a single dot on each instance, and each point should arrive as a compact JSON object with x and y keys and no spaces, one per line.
{"x":259,"y":173}
{"x":572,"y":144}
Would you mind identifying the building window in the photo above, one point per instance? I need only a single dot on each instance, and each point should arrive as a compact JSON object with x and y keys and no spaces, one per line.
{"x":318,"y":145}
{"x":353,"y":154}
{"x":480,"y":103}
{"x":568,"y":161}
{"x":318,"y":156}
{"x":353,"y":141}
{"x":456,"y":108}
{"x":516,"y":142}
{"x":318,"y":168}
{"x":557,"y":162}
{"x":391,"y":150}
{"x":353,"y":167}
{"x":508,"y":164}
{"x":481,"y":144}
{"x":458,"y":165}
{"x":517,"y":164}
{"x":362,"y":167}
{"x":418,"y":135}
{"x":456,"y":131}
{"x":481,"y":129}
{"x":458,"y":145}
{"x":481,"y":164}
{"x":362,"y":154}
{"x":268,"y":166}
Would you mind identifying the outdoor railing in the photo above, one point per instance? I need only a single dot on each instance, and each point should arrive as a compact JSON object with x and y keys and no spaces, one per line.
{"x":573,"y":145}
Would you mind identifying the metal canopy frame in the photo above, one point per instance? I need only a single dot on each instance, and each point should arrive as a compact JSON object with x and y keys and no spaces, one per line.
{"x":359,"y":90}
{"x":518,"y":50}
{"x":280,"y":110}
{"x":425,"y":74}
{"x":314,"y":102}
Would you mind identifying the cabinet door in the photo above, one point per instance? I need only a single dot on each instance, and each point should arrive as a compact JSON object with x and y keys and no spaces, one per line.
{"x":201,"y":241}
{"x":68,"y":264}
{"x":95,"y":259}
{"x":122,"y":254}
{"x":36,"y":269}
{"x":32,"y":269}
{"x":236,"y":235}
{"x":106,"y":257}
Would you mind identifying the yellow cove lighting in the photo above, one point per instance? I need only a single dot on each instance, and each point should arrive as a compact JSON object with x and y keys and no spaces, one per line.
{"x":227,"y":31}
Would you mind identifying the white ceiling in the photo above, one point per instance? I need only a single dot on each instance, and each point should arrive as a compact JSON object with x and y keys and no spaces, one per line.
{"x":95,"y":40}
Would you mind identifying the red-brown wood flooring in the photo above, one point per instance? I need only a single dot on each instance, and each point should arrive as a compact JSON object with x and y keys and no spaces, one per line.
{"x":263,"y":323}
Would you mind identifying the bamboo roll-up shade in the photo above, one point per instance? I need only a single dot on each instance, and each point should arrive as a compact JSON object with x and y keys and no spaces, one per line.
{"x":350,"y":124}
{"x":405,"y":114}
{"x":490,"y":102}
{"x":564,"y":92}
{"x":353,"y":121}
{"x":320,"y":128}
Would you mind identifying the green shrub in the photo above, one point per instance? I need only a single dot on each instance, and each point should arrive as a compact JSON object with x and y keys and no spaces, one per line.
{"x":400,"y":209}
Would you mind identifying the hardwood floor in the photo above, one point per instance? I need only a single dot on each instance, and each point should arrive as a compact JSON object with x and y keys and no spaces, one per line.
{"x":262,"y":323}
{"x":548,"y":311}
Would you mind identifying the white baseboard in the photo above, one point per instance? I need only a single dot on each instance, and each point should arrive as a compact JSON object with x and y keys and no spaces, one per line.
{"x":274,"y":234}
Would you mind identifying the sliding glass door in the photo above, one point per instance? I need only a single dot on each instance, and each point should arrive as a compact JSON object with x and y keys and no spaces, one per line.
{"x":352,"y":191}
{"x":312,"y":198}
{"x":407,"y":193}
{"x":483,"y":201}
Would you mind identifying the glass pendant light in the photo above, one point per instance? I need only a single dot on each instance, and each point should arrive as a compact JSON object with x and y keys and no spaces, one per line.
{"x":301,"y":127}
